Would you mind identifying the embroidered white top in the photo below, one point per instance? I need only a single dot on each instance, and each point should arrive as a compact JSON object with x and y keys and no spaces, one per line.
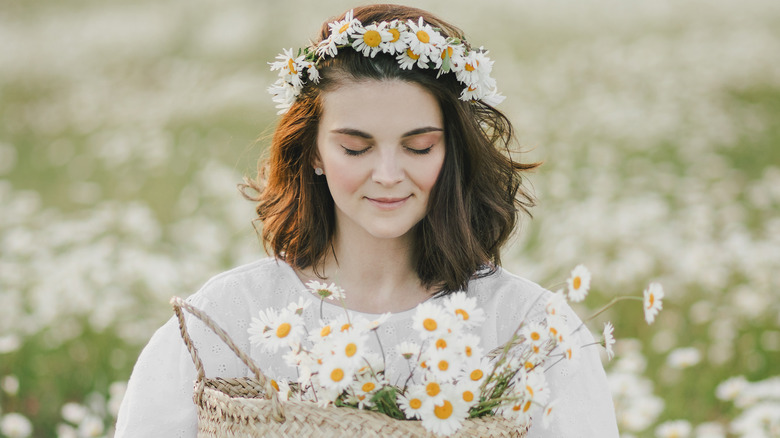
{"x":158,"y":401}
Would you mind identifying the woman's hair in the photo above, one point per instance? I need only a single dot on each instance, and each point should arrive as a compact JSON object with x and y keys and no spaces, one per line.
{"x":472,"y":208}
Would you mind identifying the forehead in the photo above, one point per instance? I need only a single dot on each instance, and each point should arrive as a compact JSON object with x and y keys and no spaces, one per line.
{"x":380,"y":107}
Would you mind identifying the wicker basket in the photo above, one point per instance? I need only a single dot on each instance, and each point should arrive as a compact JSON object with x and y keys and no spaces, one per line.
{"x":248,"y":407}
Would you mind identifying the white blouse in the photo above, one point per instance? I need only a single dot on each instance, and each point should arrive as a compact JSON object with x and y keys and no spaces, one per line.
{"x":158,"y":401}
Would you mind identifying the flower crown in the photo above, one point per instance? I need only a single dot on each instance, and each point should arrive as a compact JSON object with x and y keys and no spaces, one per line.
{"x":413,"y":44}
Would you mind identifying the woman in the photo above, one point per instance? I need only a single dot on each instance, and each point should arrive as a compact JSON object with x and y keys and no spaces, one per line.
{"x":389,"y":175}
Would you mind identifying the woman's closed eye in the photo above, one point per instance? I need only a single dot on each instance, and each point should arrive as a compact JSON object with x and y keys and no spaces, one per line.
{"x":355,"y":151}
{"x":419,"y":151}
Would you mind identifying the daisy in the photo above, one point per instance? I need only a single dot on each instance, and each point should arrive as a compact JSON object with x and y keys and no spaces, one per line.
{"x":674,"y":429}
{"x":570,"y":351}
{"x":368,"y":40}
{"x":423,"y":40}
{"x":443,"y":364}
{"x":468,"y":392}
{"x":518,"y":411}
{"x":653,"y":297}
{"x":364,"y":388}
{"x":433,"y":393}
{"x":681,"y":358}
{"x":578,"y":283}
{"x":335,"y":373}
{"x":430,"y":320}
{"x":446,"y":416}
{"x":464,"y":309}
{"x":289,"y":67}
{"x":557,"y":328}
{"x":555,"y":303}
{"x":283,"y":94}
{"x":408,"y":59}
{"x":475,"y":70}
{"x":408,"y":350}
{"x":609,"y":340}
{"x":299,"y":306}
{"x":397,"y":43}
{"x":475,"y":371}
{"x":535,"y":335}
{"x":324,"y":290}
{"x":341,"y":30}
{"x":374,"y":324}
{"x":548,"y":412}
{"x":350,"y":346}
{"x":274,"y":330}
{"x":411,"y":403}
{"x":534,"y":386}
{"x":451,"y":57}
{"x":469,"y":345}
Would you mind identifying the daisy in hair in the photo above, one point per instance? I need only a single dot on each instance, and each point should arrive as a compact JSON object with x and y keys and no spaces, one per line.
{"x":578,"y":283}
{"x":369,"y":39}
{"x":335,"y":373}
{"x":446,"y":416}
{"x":408,"y":59}
{"x":274,"y":330}
{"x":653,"y":297}
{"x":290,"y":67}
{"x":324,"y":290}
{"x":465,"y":309}
{"x":283,"y":94}
{"x":609,"y":340}
{"x":341,"y":30}
{"x":451,"y":58}
{"x":411,"y":402}
{"x":475,"y":70}
{"x":423,"y":40}
{"x":431,"y":320}
{"x":397,"y":43}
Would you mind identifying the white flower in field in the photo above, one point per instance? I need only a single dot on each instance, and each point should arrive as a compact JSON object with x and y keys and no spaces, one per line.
{"x":446,"y":416}
{"x":464,"y":309}
{"x":408,"y":350}
{"x":324,"y":290}
{"x":66,"y":431}
{"x":548,"y":413}
{"x":9,"y":343}
{"x":681,"y":358}
{"x":275,"y":330}
{"x":710,"y":430}
{"x":91,"y":427}
{"x":15,"y":425}
{"x":674,"y":429}
{"x":609,"y":340}
{"x":74,"y":413}
{"x":10,"y":384}
{"x":431,"y":320}
{"x":116,"y":393}
{"x":760,"y":420}
{"x":731,"y":388}
{"x":411,"y":403}
{"x":653,"y":301}
{"x":578,"y":283}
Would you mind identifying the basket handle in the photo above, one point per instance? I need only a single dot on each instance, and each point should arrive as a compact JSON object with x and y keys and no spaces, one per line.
{"x":277,"y":410}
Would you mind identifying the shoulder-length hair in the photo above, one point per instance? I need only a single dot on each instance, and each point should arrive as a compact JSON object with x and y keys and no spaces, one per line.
{"x":473,"y":206}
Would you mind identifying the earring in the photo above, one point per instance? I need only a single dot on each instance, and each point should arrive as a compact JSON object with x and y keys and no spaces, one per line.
{"x":318,"y":171}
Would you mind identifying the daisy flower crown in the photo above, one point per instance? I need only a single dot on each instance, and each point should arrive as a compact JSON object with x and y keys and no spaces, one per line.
{"x":413,"y":45}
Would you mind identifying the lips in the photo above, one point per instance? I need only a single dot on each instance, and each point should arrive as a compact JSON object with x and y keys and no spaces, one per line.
{"x":388,"y":203}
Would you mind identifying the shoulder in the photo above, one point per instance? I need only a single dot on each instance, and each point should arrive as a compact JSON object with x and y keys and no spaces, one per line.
{"x":509,"y":291}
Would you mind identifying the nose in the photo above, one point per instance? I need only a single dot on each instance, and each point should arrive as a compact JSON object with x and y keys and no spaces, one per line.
{"x":388,"y":170}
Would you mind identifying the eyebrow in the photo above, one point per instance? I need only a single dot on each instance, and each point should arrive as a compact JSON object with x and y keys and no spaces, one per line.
{"x":361,"y":134}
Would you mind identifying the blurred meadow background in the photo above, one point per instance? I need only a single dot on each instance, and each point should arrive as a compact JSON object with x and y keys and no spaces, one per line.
{"x":125,"y":126}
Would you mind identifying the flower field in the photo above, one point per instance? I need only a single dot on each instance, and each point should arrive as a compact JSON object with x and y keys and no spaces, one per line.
{"x":126,"y":126}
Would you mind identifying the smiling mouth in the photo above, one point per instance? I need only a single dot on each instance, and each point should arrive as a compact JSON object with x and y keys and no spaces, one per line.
{"x":388,"y":203}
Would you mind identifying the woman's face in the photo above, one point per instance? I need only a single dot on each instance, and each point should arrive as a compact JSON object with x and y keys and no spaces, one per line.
{"x":381,"y":147}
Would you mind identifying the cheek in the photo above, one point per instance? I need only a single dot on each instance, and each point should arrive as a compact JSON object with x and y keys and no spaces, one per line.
{"x":343,"y":176}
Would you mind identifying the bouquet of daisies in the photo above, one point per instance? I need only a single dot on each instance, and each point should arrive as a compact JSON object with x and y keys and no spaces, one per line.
{"x":450,"y":378}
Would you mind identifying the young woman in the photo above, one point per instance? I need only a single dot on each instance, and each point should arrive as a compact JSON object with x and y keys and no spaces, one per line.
{"x":389,"y":175}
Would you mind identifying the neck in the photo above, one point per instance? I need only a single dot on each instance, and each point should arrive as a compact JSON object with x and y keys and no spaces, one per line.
{"x":376,"y":274}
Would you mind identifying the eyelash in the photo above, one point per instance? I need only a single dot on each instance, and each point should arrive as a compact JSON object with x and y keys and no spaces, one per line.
{"x":355,"y":153}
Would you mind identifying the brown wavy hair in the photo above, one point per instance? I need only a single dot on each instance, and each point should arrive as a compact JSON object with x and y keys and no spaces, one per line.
{"x":473,"y":207}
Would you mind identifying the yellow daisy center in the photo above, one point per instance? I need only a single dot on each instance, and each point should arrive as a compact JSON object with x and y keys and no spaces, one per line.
{"x":423,"y":36}
{"x":535,"y":336}
{"x":432,"y":389}
{"x":443,"y":365}
{"x":444,"y":54}
{"x":412,"y":55}
{"x":351,"y":349}
{"x":444,"y":411}
{"x":337,"y":374}
{"x":472,"y":88}
{"x":429,"y":324}
{"x":274,"y":384}
{"x":529,"y":365}
{"x":517,"y":407}
{"x":372,"y":38}
{"x":530,"y":390}
{"x":650,"y":301}
{"x":441,"y":344}
{"x":346,"y":327}
{"x":576,"y":283}
{"x":527,"y":406}
{"x":368,"y":387}
{"x":325,"y":331}
{"x":283,"y":330}
{"x":476,"y":375}
{"x":463,"y":314}
{"x":469,"y":67}
{"x":291,"y":66}
{"x":395,"y":33}
{"x":468,"y":351}
{"x":344,"y":28}
{"x":468,"y":396}
{"x":415,"y":403}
